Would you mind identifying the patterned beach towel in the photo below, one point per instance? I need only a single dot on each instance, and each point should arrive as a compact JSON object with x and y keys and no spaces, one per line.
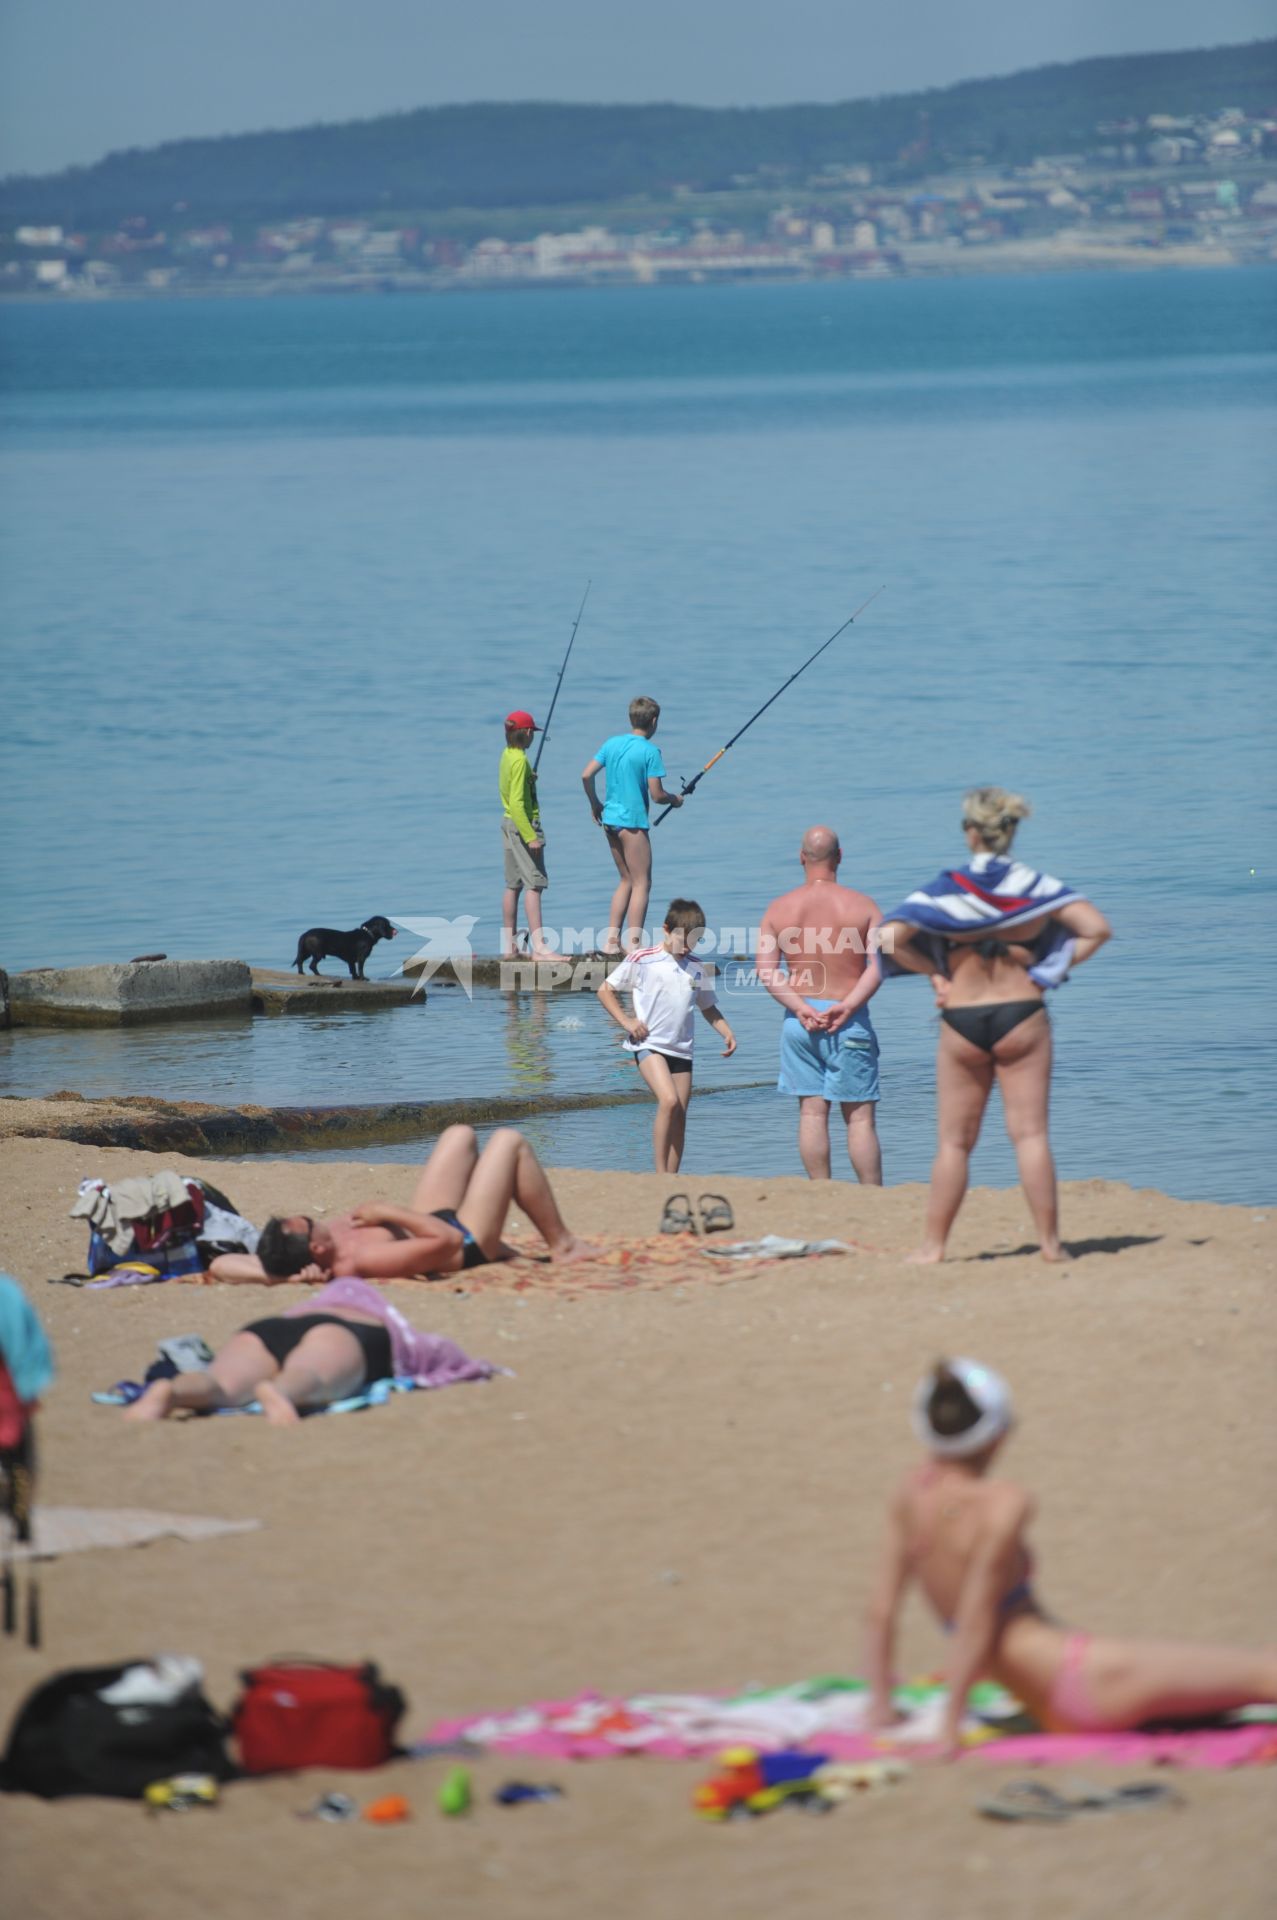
{"x":993,"y":897}
{"x":59,"y":1530}
{"x":642,"y":1261}
{"x":615,"y":1265}
{"x":830,"y":1713}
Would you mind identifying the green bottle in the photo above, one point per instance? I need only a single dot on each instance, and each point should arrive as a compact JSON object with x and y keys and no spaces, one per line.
{"x":455,"y":1795}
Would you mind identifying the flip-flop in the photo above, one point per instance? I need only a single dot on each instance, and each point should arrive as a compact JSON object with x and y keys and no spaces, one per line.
{"x":1034,"y":1800}
{"x":678,"y":1216}
{"x":1136,"y":1793}
{"x":1027,"y":1800}
{"x":716,"y":1213}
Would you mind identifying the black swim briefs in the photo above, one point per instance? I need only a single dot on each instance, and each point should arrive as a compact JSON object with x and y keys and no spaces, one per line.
{"x":472,"y":1254}
{"x":285,"y":1331}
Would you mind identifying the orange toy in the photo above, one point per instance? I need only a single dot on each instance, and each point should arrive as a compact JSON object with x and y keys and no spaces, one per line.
{"x":384,"y":1812}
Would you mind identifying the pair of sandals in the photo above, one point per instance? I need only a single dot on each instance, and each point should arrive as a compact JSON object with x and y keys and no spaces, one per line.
{"x":1034,"y":1800}
{"x":715,"y":1210}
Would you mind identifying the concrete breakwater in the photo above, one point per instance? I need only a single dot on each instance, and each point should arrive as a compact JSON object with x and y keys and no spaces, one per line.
{"x":190,"y":1126}
{"x":125,"y":993}
{"x":275,"y":992}
{"x":138,"y":992}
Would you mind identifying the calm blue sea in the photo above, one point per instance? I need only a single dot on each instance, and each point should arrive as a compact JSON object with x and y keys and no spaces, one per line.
{"x":273,"y":571}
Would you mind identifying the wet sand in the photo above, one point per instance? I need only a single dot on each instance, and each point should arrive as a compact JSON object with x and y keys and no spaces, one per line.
{"x":680,"y":1489}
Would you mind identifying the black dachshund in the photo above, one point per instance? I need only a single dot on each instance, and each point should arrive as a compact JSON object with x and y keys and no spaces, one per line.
{"x":354,"y":947}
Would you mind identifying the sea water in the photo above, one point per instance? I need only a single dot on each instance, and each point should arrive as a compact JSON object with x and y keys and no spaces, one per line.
{"x":274,"y":570}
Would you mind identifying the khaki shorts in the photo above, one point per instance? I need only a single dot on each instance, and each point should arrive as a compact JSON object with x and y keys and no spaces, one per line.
{"x":524,"y":865}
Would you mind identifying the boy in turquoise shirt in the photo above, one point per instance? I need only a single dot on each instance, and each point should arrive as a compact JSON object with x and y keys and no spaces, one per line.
{"x":522,"y":840}
{"x":635,"y":777}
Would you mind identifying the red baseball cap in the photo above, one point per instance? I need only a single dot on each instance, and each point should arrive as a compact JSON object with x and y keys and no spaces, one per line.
{"x":523,"y":720}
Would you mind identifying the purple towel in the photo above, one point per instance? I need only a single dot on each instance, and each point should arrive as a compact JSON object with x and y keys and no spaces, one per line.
{"x":427,"y":1359}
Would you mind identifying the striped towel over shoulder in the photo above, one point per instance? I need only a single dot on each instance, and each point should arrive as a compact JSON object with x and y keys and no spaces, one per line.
{"x":991,"y":896}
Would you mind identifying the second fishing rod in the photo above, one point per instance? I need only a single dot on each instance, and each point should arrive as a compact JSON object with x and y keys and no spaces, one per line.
{"x":545,"y":731}
{"x":690,"y":786}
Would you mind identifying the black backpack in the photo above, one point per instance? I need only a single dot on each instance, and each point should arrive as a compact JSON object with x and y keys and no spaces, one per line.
{"x":66,"y":1740}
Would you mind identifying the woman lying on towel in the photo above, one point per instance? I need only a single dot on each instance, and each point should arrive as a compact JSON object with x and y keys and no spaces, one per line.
{"x":992,"y":935}
{"x":325,"y":1349}
{"x":961,"y":1536}
{"x":457,"y":1217}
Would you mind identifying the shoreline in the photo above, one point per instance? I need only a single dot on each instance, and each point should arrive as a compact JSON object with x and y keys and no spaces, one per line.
{"x":1011,"y":260}
{"x":152,"y":1124}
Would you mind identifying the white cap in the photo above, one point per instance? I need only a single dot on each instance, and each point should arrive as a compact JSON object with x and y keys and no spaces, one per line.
{"x":991,"y":1395}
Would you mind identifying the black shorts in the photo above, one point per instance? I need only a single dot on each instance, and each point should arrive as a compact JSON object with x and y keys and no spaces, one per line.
{"x":674,"y":1061}
{"x":287,"y":1330}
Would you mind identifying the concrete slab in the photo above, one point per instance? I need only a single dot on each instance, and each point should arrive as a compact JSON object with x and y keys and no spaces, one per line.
{"x":129,"y":993}
{"x":276,"y":991}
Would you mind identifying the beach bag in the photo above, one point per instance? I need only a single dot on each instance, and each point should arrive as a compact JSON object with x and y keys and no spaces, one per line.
{"x":177,"y":1240}
{"x":306,"y":1713}
{"x":66,"y":1739}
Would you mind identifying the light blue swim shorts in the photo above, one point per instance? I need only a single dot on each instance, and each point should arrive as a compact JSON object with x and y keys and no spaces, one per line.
{"x":840,"y":1066}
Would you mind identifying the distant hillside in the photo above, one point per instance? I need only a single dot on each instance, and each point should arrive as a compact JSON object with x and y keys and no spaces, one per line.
{"x":546,"y":155}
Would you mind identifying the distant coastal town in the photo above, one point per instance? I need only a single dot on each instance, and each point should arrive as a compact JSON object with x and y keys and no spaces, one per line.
{"x":1198,"y":191}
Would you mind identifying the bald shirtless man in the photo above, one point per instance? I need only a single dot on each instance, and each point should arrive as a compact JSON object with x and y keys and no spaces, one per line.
{"x":456,"y":1220}
{"x":813,"y":958}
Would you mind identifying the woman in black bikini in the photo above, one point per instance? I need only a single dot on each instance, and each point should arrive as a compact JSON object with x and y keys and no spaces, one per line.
{"x":994,"y":1025}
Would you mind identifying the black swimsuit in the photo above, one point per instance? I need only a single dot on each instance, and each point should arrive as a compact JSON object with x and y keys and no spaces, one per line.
{"x":287,"y":1330}
{"x":472,"y":1254}
{"x":984,"y":1026}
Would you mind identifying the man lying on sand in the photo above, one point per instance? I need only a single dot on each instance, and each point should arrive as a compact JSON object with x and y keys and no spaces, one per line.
{"x":456,"y":1220}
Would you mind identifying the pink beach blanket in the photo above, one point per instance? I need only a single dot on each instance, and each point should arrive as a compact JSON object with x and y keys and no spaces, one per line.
{"x":591,"y":1726}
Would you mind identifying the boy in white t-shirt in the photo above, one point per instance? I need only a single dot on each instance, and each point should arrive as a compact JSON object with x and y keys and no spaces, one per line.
{"x":668,"y":985}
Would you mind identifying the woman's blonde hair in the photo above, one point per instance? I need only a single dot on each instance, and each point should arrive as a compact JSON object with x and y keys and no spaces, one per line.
{"x":994,"y":814}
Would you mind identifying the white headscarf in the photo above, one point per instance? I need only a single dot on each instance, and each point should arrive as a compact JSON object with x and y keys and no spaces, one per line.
{"x":991,"y":1395}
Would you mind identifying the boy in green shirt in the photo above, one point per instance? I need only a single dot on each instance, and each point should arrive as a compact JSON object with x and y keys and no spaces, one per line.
{"x":522,"y":839}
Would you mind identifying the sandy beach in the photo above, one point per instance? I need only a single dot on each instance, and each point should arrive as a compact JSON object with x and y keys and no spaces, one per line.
{"x":680,"y":1488}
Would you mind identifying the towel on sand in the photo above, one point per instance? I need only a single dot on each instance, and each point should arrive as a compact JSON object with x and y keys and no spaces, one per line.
{"x":621,"y":1263}
{"x":375,"y":1395}
{"x":831,"y":1713}
{"x":420,"y":1359}
{"x":773,"y":1246}
{"x":58,"y":1530}
{"x":613,"y":1265}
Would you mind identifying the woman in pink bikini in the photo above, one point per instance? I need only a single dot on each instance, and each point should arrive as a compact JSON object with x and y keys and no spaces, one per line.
{"x":961,"y":1535}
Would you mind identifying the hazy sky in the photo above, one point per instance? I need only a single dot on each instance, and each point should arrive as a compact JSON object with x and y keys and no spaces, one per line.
{"x":79,"y":78}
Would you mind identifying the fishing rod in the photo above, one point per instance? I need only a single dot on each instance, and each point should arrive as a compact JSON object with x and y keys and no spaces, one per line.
{"x":545,"y":731}
{"x":689,"y":786}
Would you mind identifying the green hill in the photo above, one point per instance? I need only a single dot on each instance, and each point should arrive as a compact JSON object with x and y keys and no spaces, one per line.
{"x":548,"y":155}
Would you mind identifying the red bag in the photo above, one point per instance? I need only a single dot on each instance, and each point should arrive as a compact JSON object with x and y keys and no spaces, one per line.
{"x":301,"y":1713}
